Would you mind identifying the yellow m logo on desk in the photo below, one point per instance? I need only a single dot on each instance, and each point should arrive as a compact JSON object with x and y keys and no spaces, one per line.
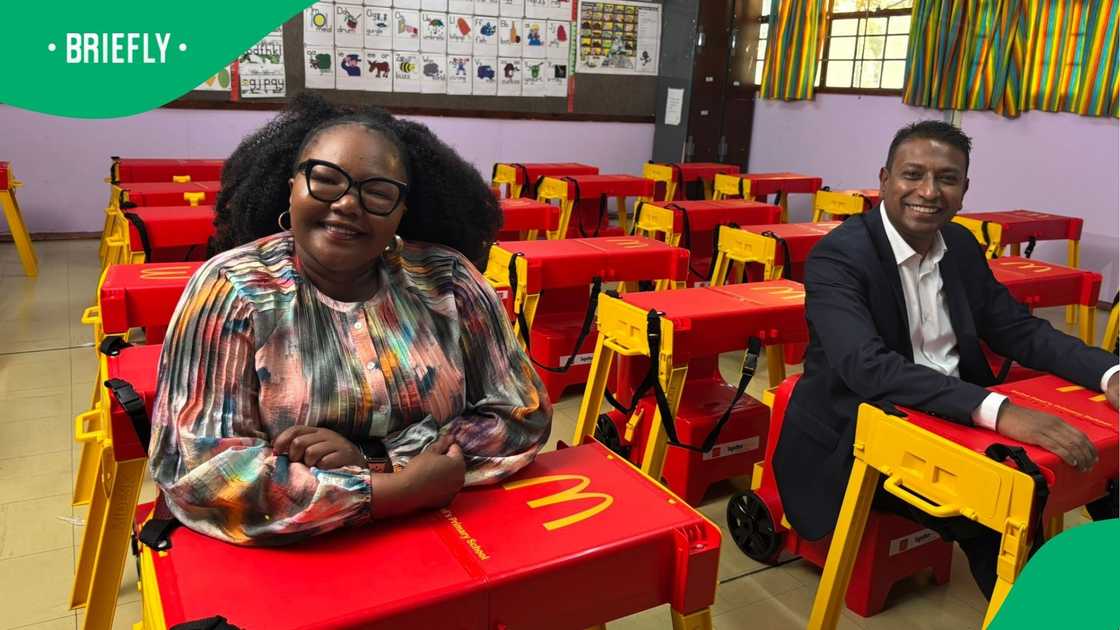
{"x":1027,"y":266}
{"x":167,"y":273}
{"x":786,"y":293}
{"x":572,"y":493}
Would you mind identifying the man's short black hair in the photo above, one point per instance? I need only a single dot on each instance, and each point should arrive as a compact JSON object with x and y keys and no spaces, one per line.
{"x":932,"y":130}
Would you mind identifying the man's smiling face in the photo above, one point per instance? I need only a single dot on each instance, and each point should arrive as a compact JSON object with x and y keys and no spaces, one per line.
{"x":923,"y":188}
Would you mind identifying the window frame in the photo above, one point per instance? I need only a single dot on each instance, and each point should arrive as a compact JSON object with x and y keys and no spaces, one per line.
{"x":823,"y":61}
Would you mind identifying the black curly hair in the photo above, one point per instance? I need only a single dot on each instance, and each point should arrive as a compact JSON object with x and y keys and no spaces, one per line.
{"x":448,"y":201}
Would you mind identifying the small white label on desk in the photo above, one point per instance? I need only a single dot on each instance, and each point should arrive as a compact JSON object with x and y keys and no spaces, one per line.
{"x":727,"y":449}
{"x":917,"y":539}
{"x":581,"y":359}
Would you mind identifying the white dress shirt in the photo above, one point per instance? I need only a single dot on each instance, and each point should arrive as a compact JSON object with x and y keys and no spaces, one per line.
{"x":931,"y":332}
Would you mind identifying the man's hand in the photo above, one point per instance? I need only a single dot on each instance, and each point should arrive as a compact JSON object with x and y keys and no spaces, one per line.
{"x":316,"y":446}
{"x":1111,"y":392}
{"x":1048,"y":431}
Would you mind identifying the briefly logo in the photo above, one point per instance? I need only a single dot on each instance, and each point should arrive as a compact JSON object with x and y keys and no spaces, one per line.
{"x":116,"y":48}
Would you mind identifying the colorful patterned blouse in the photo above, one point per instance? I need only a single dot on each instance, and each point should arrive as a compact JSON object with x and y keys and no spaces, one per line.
{"x":254,"y":348}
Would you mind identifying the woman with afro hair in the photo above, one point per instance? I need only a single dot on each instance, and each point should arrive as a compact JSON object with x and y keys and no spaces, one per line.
{"x":340,"y":358}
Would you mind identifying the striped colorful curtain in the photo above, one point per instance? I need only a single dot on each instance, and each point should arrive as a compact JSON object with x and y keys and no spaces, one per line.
{"x":1010,"y":56}
{"x":793,"y":46}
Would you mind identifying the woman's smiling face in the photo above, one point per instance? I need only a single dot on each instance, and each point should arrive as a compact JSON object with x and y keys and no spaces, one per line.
{"x":340,"y":239}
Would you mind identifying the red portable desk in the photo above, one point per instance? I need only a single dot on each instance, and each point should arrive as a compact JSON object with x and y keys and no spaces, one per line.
{"x":763,"y":184}
{"x":138,"y":366}
{"x":704,"y":217}
{"x":167,"y":194}
{"x":142,"y":296}
{"x":587,"y":191}
{"x":1086,"y":410}
{"x":870,"y":196}
{"x":173,"y":232}
{"x":577,"y":538}
{"x":800,"y":237}
{"x":1019,"y":226}
{"x":687,"y":172}
{"x":133,"y":170}
{"x":5,"y":176}
{"x":527,"y":174}
{"x":528,"y":214}
{"x":1039,"y":284}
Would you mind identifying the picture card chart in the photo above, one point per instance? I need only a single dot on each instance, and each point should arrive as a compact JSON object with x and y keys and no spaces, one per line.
{"x":619,"y":37}
{"x":460,"y":47}
{"x":262,"y":68}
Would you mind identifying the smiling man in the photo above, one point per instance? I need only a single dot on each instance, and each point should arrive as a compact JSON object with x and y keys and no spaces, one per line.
{"x":898,"y":300}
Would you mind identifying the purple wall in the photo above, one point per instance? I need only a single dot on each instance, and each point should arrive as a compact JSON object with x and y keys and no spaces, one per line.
{"x":63,"y":162}
{"x":1061,"y":163}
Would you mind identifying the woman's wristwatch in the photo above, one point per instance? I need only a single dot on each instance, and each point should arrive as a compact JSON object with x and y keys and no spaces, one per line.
{"x":377,"y":456}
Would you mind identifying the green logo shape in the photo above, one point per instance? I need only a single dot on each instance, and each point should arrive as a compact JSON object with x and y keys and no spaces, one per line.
{"x":173,"y":47}
{"x":1069,"y":583}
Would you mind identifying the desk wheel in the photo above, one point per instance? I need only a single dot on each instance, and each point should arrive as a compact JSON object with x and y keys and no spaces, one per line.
{"x":607,"y":434}
{"x":752,"y":527}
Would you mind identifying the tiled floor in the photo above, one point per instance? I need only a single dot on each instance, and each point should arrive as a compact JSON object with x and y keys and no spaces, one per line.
{"x":46,"y":375}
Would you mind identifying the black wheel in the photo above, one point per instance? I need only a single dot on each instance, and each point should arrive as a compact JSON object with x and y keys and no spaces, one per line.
{"x":752,"y":527}
{"x":607,"y":433}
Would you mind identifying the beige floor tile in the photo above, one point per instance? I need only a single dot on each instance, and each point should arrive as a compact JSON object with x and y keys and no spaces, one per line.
{"x":29,"y":404}
{"x":786,"y":611}
{"x":34,"y":370}
{"x":39,"y":584}
{"x":83,"y":365}
{"x":30,"y":485}
{"x":16,"y":469}
{"x":62,"y":623}
{"x":924,"y":608}
{"x":32,"y":437}
{"x":34,"y":526}
{"x":743,"y":591}
{"x":653,"y":619}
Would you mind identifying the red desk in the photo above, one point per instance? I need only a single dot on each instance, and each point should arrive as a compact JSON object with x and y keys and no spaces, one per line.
{"x":583,"y":201}
{"x":517,"y":175}
{"x":780,"y":184}
{"x":169,"y":233}
{"x":576,"y":539}
{"x":801,"y":238}
{"x":133,"y":170}
{"x":529,"y":216}
{"x":141,"y":296}
{"x":1025,"y":226}
{"x":168,"y":194}
{"x":704,"y":172}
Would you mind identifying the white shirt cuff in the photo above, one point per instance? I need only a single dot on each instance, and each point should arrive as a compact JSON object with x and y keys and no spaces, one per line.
{"x":1108,"y":376}
{"x":988,"y":412}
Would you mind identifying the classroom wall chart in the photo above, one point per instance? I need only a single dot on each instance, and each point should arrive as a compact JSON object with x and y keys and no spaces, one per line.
{"x":619,"y":37}
{"x":479,"y":47}
{"x":261,"y":68}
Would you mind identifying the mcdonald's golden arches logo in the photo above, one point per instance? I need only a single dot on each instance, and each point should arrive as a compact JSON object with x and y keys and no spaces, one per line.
{"x":172,"y":272}
{"x":571,"y":493}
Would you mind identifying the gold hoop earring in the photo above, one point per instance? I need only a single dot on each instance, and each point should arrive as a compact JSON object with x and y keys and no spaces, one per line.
{"x":396,"y":246}
{"x":280,"y":221}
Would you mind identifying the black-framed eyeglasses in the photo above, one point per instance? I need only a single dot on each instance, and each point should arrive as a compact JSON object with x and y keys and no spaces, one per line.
{"x":329,"y":182}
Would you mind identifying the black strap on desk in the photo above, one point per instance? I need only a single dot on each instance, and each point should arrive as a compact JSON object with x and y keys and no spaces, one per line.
{"x":987,"y":238}
{"x":678,"y":174}
{"x":114,"y":169}
{"x":787,"y":267}
{"x":133,"y":405}
{"x":1004,"y":370}
{"x":741,"y":194}
{"x":524,"y":172}
{"x":1000,"y":452}
{"x":637,"y":217}
{"x":686,"y":239}
{"x":156,"y":531}
{"x":111,"y":345}
{"x":653,"y":382}
{"x":585,"y":328}
{"x":142,"y":230}
{"x":217,"y":622}
{"x":1031,"y":242}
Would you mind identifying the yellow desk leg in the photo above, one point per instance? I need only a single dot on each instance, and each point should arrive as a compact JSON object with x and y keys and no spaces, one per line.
{"x":775,"y":365}
{"x":1013,"y":547}
{"x":623,"y":217}
{"x":515,"y":190}
{"x":566,"y":206}
{"x":106,"y":538}
{"x":1087,"y":323}
{"x":653,"y":459}
{"x":845,"y":544}
{"x":783,"y":202}
{"x":19,"y":233}
{"x":1014,"y":249}
{"x":699,"y":620}
{"x":594,"y":392}
{"x":1074,"y":248}
{"x":709,"y":189}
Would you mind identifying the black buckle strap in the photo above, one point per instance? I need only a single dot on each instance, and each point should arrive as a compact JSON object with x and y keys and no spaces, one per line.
{"x":112,"y":345}
{"x":142,"y":230}
{"x":686,"y":239}
{"x":1031,"y":242}
{"x":741,"y":193}
{"x":155,"y":533}
{"x":1004,"y":370}
{"x":787,"y":267}
{"x":1000,"y":452}
{"x":987,"y":238}
{"x":524,"y":176}
{"x":217,"y":622}
{"x":133,"y":405}
{"x":637,"y":217}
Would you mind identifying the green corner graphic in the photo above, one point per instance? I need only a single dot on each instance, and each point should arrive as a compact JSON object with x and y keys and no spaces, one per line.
{"x":1069,"y":583}
{"x":157,"y":51}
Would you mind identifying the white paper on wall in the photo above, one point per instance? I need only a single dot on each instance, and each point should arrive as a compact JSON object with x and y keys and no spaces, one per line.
{"x":406,"y":71}
{"x":509,"y":76}
{"x":378,"y":3}
{"x":318,"y":67}
{"x":533,"y":76}
{"x":485,"y":36}
{"x":560,"y":9}
{"x":460,"y":70}
{"x":558,"y":40}
{"x":486,"y":7}
{"x":349,"y":29}
{"x":349,"y":75}
{"x":534,"y":43}
{"x":485,"y":76}
{"x":512,"y":8}
{"x":318,"y":24}
{"x":433,"y":68}
{"x":460,"y":6}
{"x":406,"y":30}
{"x":379,"y":28}
{"x":433,"y":5}
{"x":509,"y":37}
{"x":556,"y":77}
{"x":406,"y":4}
{"x":460,"y":34}
{"x":262,"y":69}
{"x":379,"y":70}
{"x":433,"y":32}
{"x":537,"y":9}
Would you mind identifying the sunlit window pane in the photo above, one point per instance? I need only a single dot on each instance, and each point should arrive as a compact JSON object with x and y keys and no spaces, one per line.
{"x":869,"y":77}
{"x":844,"y":27}
{"x":876,"y":26}
{"x":893,"y":75}
{"x":839,"y":74}
{"x":896,"y":46}
{"x":842,"y":48}
{"x":899,"y":24}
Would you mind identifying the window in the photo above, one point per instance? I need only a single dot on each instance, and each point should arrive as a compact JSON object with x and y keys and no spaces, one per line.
{"x":865,"y":46}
